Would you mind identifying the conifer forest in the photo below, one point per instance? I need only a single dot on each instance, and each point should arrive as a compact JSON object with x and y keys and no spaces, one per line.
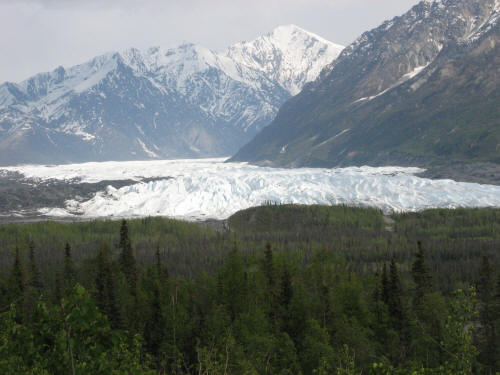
{"x":278,"y":289}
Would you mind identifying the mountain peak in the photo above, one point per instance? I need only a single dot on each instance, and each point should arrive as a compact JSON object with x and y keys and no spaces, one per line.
{"x":289,"y":54}
{"x":291,"y":31}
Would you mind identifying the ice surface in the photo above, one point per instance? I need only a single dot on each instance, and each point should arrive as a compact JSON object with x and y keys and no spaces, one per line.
{"x":210,"y":188}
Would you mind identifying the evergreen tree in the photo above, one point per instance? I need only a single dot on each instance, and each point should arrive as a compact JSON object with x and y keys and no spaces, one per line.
{"x":155,"y":325}
{"x":161,"y":271}
{"x":233,"y":281}
{"x":69,"y":275}
{"x":269,"y":269}
{"x":385,"y":285}
{"x":421,"y":277}
{"x":394,"y":300}
{"x":486,"y":290}
{"x":105,"y":287}
{"x":58,"y":287}
{"x":325,"y":301}
{"x":495,"y":335}
{"x":33,"y":283}
{"x":377,"y":290}
{"x":485,"y":284}
{"x":100,"y":281}
{"x":286,"y":294}
{"x":272,"y":293}
{"x":4,"y":295}
{"x":127,"y":259}
{"x":34,"y":275}
{"x":17,"y":280}
{"x":285,"y":299}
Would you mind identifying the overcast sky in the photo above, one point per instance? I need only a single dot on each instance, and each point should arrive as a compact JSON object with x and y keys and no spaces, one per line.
{"x":39,"y":35}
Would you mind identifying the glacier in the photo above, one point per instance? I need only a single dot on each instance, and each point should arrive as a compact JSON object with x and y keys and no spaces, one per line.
{"x":197,"y":189}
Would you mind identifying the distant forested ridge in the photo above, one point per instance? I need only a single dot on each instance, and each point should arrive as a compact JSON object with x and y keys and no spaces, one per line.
{"x":274,"y":290}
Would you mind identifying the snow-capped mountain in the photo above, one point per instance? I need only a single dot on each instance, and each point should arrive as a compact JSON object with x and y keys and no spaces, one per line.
{"x":281,"y":56}
{"x":187,"y":101}
{"x":421,"y":88}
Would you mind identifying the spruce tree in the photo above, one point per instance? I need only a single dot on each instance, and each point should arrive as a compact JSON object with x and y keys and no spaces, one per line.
{"x":100,"y":282}
{"x":17,"y":280}
{"x":161,"y":271}
{"x":69,"y":275}
{"x":485,"y":284}
{"x":385,"y":285}
{"x":377,"y":289}
{"x":285,"y":299}
{"x":33,"y":283}
{"x":155,"y":324}
{"x":58,"y":287}
{"x":271,"y":283}
{"x":233,"y":280}
{"x":486,"y":293}
{"x":105,"y":287}
{"x":286,"y":294}
{"x":395,"y":308}
{"x":17,"y":287}
{"x":158,"y":261}
{"x":421,"y":276}
{"x":269,"y":268}
{"x":495,"y":317}
{"x":394,"y":301}
{"x":34,"y":273}
{"x":127,"y":259}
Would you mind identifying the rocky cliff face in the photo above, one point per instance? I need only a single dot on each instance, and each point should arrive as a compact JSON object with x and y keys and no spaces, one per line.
{"x":183,"y":102}
{"x":421,"y":88}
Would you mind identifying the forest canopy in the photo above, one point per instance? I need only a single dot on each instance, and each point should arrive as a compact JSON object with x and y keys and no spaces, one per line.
{"x":274,"y":290}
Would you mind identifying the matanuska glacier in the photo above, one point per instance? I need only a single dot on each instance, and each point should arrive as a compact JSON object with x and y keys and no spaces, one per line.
{"x":209,"y":188}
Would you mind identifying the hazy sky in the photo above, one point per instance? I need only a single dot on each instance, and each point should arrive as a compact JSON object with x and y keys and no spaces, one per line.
{"x":39,"y":35}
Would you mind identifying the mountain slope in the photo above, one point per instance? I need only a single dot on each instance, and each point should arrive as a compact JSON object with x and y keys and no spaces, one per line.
{"x":183,"y":102}
{"x":422,"y":88}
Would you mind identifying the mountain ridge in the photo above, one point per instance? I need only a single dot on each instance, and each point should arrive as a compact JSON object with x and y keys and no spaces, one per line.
{"x":187,"y":101}
{"x":417,"y":90}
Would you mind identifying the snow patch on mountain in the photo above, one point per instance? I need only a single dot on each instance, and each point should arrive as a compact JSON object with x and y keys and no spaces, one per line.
{"x":147,"y":150}
{"x":406,"y":77}
{"x":84,"y":135}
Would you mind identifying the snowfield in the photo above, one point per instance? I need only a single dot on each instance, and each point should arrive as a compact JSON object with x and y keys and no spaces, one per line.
{"x":209,"y":188}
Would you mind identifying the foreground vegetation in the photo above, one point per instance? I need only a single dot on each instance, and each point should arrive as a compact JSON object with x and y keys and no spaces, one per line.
{"x":285,"y":290}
